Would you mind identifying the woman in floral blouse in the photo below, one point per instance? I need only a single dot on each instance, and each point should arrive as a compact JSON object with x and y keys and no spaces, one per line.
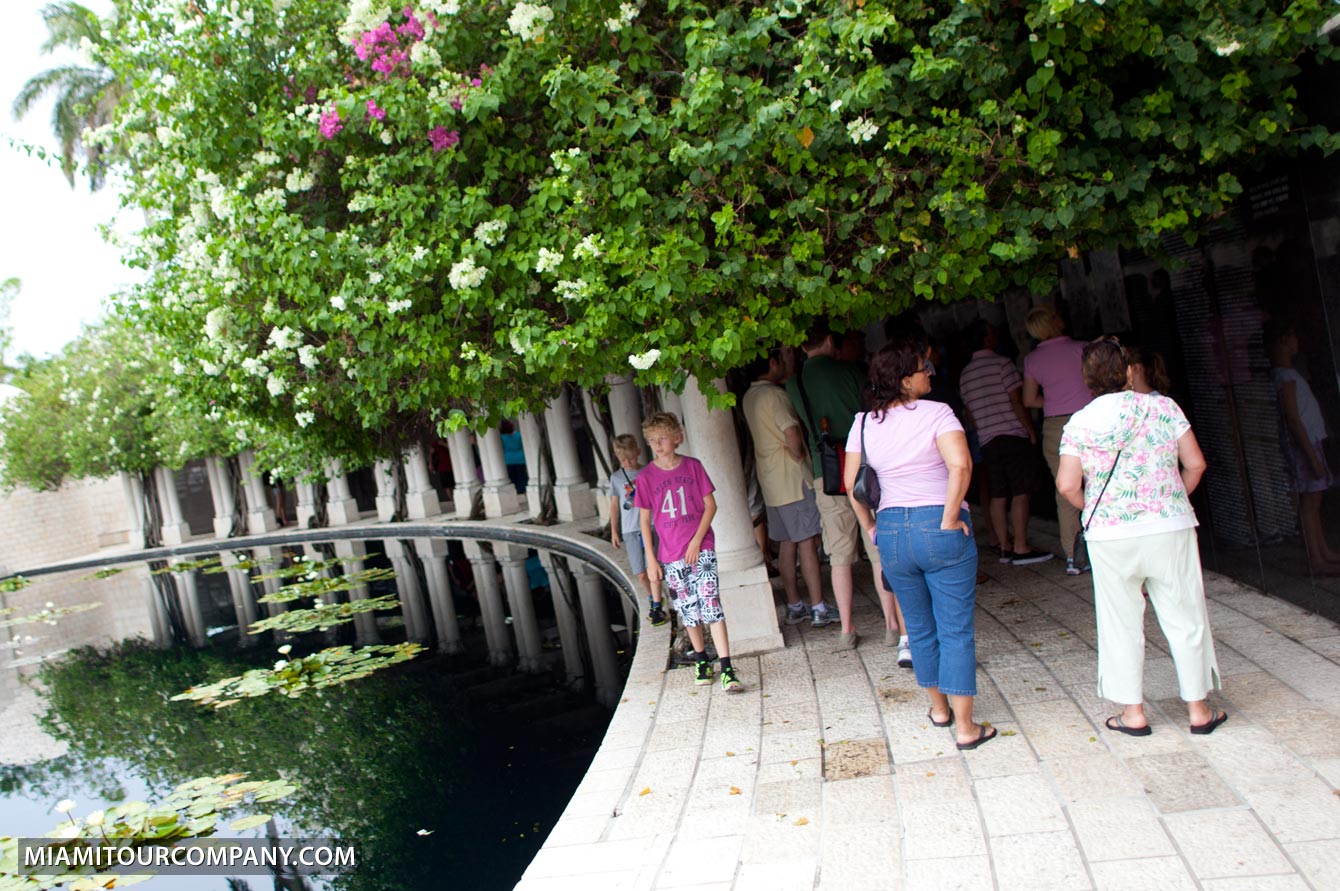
{"x":1141,"y":531}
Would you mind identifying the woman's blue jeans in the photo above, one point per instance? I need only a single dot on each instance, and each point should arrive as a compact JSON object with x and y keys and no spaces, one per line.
{"x":934,"y":574}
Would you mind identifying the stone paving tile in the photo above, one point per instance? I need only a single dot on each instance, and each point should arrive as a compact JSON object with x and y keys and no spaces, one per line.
{"x":770,"y":839}
{"x":791,"y":746}
{"x":676,"y":735}
{"x":864,"y":801}
{"x":798,"y":769}
{"x":1009,"y":754}
{"x":1119,"y":829}
{"x":1318,"y":861}
{"x":1250,"y":756}
{"x":779,"y":875}
{"x":701,"y":860}
{"x":852,"y":725}
{"x":948,"y":874}
{"x":1091,"y":777}
{"x":940,"y":779}
{"x":1299,"y":811}
{"x":1039,"y":860}
{"x":1302,"y":628}
{"x":1292,"y":882}
{"x":1016,"y":804}
{"x":1145,"y":874}
{"x":1182,"y":781}
{"x":1226,"y":844}
{"x":788,"y":800}
{"x":856,"y":758}
{"x":938,"y":829}
{"x":860,"y":859}
{"x":1057,"y":729}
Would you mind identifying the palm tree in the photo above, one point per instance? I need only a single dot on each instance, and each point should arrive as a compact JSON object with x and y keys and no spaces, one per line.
{"x":86,"y":95}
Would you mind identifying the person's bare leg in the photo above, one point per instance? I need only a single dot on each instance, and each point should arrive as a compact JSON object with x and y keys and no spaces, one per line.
{"x":809,"y":569}
{"x":841,"y":581}
{"x":1319,"y":553}
{"x":786,"y":564}
{"x":888,"y":603}
{"x":695,"y":633}
{"x":1019,"y":520}
{"x":965,"y":731}
{"x":999,"y":526}
{"x":984,"y":499}
{"x":719,"y":638}
{"x":1133,"y":716}
{"x":761,"y":536}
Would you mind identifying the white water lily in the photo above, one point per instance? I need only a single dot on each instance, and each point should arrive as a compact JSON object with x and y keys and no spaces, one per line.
{"x":65,"y":805}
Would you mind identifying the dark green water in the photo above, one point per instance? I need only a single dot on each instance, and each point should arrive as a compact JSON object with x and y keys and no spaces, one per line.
{"x":443,"y":773}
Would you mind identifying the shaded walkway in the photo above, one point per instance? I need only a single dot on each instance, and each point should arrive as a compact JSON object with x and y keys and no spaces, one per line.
{"x":827,"y":774}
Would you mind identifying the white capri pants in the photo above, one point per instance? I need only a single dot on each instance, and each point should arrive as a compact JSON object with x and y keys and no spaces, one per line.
{"x":1168,"y":565}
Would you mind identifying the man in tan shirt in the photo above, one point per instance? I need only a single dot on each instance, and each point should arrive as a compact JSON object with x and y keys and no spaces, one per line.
{"x":784,"y":478}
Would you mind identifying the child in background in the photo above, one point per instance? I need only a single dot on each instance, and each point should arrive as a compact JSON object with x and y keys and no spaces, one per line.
{"x":624,"y":517}
{"x":675,"y":498}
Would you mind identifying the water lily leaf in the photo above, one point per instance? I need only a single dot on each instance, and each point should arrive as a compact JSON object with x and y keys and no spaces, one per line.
{"x":250,"y":822}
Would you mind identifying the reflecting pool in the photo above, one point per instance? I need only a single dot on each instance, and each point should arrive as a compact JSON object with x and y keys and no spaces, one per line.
{"x":443,"y":769}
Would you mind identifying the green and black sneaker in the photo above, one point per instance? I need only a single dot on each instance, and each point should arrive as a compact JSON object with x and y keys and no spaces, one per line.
{"x":702,"y":673}
{"x":729,"y":682}
{"x":657,"y":616}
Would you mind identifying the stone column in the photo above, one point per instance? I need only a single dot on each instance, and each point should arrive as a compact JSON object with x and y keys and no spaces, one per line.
{"x":535,"y":466}
{"x":306,"y":504}
{"x":134,"y":492}
{"x":561,"y":589}
{"x":433,"y":553}
{"x":626,"y":409}
{"x":411,"y":594}
{"x":490,"y":603}
{"x":420,"y":497}
{"x":270,"y":559}
{"x":244,"y":604}
{"x":341,"y":508}
{"x":383,"y":472}
{"x":175,"y":529}
{"x":671,"y":402}
{"x":463,"y":470}
{"x":605,"y":452}
{"x":260,"y":516}
{"x":746,"y":595}
{"x":572,"y":494}
{"x":500,"y":498}
{"x":189,"y":598}
{"x":524,"y":623}
{"x":221,"y":494}
{"x":595,"y":619}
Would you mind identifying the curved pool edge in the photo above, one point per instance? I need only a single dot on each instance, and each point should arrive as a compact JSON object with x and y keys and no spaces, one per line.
{"x":594,"y":804}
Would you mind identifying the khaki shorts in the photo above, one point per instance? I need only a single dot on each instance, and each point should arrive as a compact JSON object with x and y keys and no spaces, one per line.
{"x":841,"y":529}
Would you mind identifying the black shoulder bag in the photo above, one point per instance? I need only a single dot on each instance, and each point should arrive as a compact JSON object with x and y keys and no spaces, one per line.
{"x":1079,"y":536}
{"x":830,"y":451}
{"x":866,"y":488}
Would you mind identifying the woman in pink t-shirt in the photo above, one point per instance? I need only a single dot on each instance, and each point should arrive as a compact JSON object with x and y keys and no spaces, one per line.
{"x":923,"y":529}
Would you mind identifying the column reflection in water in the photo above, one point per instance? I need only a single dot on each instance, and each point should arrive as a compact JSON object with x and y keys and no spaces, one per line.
{"x":433,"y":553}
{"x":407,"y":587}
{"x":524,"y":623}
{"x":490,"y":603}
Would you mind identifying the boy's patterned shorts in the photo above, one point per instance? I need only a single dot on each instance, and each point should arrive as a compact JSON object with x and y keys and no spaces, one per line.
{"x":695,"y":590}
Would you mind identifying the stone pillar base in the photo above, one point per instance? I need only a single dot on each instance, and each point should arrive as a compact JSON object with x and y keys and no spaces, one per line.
{"x":575,"y":501}
{"x":385,"y":508}
{"x":176,"y":533}
{"x":222,"y":526}
{"x":751,"y":618}
{"x":419,"y":505}
{"x":501,"y":501}
{"x":262,"y":520}
{"x":463,"y":498}
{"x":342,"y":512}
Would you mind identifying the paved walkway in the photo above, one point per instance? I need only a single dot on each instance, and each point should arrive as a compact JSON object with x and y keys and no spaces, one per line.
{"x":826,"y":773}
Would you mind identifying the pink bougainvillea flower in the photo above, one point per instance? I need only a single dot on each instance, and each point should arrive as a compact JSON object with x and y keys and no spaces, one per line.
{"x":377,"y":114}
{"x":412,"y":28}
{"x":475,"y":82}
{"x":442,"y":138}
{"x":330,"y":123}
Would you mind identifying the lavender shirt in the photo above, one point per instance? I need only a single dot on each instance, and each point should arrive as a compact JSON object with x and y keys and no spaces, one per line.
{"x":901,"y":447}
{"x":1055,"y":365}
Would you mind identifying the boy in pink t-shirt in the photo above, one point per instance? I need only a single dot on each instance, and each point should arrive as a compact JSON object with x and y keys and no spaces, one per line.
{"x":674,"y":495}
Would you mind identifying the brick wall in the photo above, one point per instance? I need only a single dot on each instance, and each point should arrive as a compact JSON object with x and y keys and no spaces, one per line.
{"x":77,"y":520}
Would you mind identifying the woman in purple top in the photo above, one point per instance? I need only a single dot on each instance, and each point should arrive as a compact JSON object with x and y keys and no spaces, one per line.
{"x":923,"y":529}
{"x":1054,"y":383}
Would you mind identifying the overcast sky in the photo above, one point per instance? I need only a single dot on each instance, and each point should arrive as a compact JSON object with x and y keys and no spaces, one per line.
{"x":48,"y":231}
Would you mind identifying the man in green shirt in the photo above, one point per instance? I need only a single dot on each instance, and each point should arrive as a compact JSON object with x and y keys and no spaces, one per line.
{"x":833,"y":390}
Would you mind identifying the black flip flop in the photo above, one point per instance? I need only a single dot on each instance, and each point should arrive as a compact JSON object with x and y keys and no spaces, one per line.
{"x":988,"y":733}
{"x":1115,"y":723}
{"x":1208,"y":728}
{"x":949,"y":722}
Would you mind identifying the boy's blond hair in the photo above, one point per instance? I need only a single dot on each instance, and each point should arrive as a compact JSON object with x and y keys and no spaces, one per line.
{"x":663,"y":420}
{"x":1044,"y":323}
{"x":626,"y":445}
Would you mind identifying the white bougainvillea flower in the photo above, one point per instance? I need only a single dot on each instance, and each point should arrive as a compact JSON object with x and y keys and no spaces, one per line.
{"x":643,"y":361}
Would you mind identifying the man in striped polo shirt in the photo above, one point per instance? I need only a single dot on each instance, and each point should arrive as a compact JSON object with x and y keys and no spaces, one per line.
{"x":993,"y":399}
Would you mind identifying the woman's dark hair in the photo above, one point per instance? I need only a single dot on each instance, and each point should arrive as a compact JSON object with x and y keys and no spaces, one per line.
{"x":898,"y":359}
{"x":1156,"y":370}
{"x":1104,"y":366}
